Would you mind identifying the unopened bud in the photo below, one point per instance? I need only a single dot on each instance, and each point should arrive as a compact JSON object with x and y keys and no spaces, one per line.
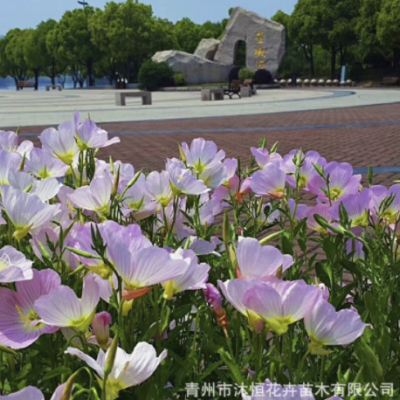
{"x":101,"y":328}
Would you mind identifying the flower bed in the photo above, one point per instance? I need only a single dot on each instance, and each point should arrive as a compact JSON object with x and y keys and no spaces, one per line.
{"x":117,"y":284}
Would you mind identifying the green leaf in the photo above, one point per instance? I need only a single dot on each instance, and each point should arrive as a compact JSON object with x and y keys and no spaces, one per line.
{"x":210,"y":369}
{"x":371,"y":306}
{"x":231,"y":364}
{"x":56,"y":372}
{"x":373,"y":371}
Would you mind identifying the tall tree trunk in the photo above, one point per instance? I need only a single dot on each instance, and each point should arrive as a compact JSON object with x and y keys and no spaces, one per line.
{"x":89,"y":66}
{"x":312,"y":64}
{"x":36,"y":72}
{"x":396,"y":61}
{"x":16,"y":82}
{"x":333,"y":62}
{"x":53,"y":73}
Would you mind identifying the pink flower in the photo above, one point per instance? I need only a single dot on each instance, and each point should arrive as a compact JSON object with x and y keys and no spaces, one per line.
{"x":43,"y":165}
{"x":26,"y":211}
{"x":324,"y":210}
{"x":201,"y":154}
{"x":32,"y":393}
{"x":61,"y":143}
{"x":327,"y":327}
{"x":194,"y":278}
{"x":8,"y":162}
{"x":20,"y":325}
{"x":259,"y":262}
{"x":341,"y":182}
{"x":14,"y":266}
{"x":128,"y":369}
{"x":89,"y":136}
{"x":307,"y":170}
{"x":96,"y":196}
{"x":62,"y":308}
{"x":234,"y":291}
{"x":281,"y":303}
{"x":269,"y":181}
{"x":263,"y":157}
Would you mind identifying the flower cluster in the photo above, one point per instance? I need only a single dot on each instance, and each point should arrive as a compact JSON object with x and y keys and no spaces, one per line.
{"x":276,"y":272}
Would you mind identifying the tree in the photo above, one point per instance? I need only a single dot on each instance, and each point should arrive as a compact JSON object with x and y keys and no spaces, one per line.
{"x":128,"y":34}
{"x":12,"y":61}
{"x":33,"y":56}
{"x":388,"y":29}
{"x":304,"y":29}
{"x":188,"y":35}
{"x":50,"y":67}
{"x":73,"y":38}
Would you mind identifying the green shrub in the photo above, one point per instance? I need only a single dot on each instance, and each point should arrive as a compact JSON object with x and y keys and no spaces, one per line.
{"x":153,"y":75}
{"x":246,"y":73}
{"x":179,"y":79}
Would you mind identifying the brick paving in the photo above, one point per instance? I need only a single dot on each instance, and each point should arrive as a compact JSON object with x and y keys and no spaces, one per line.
{"x":362,"y":146}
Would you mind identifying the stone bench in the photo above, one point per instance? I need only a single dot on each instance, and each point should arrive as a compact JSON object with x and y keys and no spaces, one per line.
{"x":54,"y":87}
{"x":120,"y":97}
{"x":209,"y":93}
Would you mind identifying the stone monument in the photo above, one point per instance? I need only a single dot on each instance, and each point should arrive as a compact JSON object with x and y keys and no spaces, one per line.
{"x":213,"y":59}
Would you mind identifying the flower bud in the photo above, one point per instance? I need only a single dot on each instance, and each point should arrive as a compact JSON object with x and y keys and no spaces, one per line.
{"x":214,"y":298}
{"x":101,"y":328}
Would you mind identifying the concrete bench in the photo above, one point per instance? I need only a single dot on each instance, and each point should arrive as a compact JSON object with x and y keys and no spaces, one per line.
{"x":120,"y":97}
{"x":245,"y":91}
{"x":54,"y":87}
{"x":209,"y":93}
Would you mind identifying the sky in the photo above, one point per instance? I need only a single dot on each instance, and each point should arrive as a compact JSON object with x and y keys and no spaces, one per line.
{"x":29,"y":13}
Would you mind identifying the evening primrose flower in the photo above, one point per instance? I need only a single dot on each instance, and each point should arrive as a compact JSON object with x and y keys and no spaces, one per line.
{"x":158,"y":187}
{"x":378,"y":194}
{"x":307,"y":171}
{"x":145,"y":268}
{"x":182,"y":181}
{"x":357,"y":208}
{"x":214,"y":175}
{"x":20,"y":324}
{"x":324,"y":210}
{"x":342,"y":182}
{"x":62,"y":308}
{"x":259,"y":262}
{"x":90,"y":136}
{"x":234,"y":291}
{"x":42,"y":165}
{"x":194,"y":278}
{"x":8,"y":162}
{"x":61,"y":143}
{"x":14,"y":266}
{"x":269,"y":181}
{"x":281,"y":303}
{"x":263,"y":157}
{"x":137,"y":201}
{"x":9,"y":142}
{"x":128,"y":369}
{"x":96,"y":196}
{"x":26,"y":211}
{"x":32,"y":393}
{"x":201,"y":154}
{"x":327,"y":327}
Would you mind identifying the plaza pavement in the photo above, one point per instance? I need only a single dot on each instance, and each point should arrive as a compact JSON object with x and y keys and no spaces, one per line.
{"x":363,"y":136}
{"x":45,"y":108}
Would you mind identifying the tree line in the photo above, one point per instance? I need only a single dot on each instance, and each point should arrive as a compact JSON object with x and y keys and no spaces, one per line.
{"x":87,"y":43}
{"x":114,"y":42}
{"x":322,"y":35}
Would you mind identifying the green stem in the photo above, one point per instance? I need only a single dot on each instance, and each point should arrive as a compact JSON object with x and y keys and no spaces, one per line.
{"x":322,"y":373}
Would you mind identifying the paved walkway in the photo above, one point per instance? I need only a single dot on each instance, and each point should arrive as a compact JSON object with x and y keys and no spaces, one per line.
{"x":45,"y":108}
{"x":363,"y":136}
